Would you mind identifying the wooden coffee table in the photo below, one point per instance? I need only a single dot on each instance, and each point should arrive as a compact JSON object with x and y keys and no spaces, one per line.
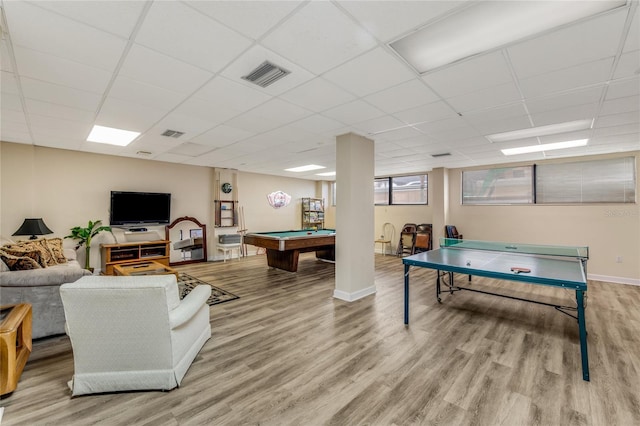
{"x":149,"y":267}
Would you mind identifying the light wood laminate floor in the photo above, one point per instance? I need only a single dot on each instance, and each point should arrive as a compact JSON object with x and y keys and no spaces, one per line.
{"x":288,"y":353}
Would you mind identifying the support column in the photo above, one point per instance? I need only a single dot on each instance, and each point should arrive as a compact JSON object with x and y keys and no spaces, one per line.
{"x":355,"y":261}
{"x":439,"y":201}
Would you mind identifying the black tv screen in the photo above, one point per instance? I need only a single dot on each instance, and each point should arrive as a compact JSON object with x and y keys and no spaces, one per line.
{"x":133,"y":208}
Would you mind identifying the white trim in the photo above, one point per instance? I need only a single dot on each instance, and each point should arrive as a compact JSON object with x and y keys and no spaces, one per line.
{"x":351,"y":297}
{"x":616,"y":280}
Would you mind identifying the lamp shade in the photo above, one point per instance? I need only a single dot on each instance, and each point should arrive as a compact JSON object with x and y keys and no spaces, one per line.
{"x":33,"y":227}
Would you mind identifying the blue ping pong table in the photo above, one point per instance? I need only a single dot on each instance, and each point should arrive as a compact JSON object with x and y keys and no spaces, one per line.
{"x":556,"y":266}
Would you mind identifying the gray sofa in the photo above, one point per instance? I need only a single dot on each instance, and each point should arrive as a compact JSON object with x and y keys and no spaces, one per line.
{"x":41,"y":289}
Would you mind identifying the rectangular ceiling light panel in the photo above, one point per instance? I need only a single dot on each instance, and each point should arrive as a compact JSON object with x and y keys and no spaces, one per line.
{"x":112,"y":136}
{"x":551,"y":129}
{"x":485,"y":26}
{"x":305,"y":168}
{"x":545,"y":147}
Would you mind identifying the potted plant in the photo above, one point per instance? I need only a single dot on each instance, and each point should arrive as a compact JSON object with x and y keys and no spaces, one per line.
{"x":84,"y":236}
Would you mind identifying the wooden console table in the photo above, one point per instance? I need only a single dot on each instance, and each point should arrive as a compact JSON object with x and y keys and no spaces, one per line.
{"x":133,"y":253}
{"x":15,"y":344}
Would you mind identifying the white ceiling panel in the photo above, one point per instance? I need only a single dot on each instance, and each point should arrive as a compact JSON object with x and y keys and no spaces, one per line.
{"x":179,"y":31}
{"x":63,"y":37}
{"x":59,"y":111}
{"x":590,"y":41}
{"x":390,"y":19}
{"x":317,"y":124}
{"x":230,"y":94}
{"x":53,"y":69}
{"x":251,"y":18}
{"x":222,"y":136}
{"x":470,"y":76}
{"x":304,"y":38}
{"x":127,"y":116}
{"x":115,"y":17}
{"x":625,"y":88}
{"x":8,"y":83}
{"x":629,"y":65}
{"x":11,"y":101}
{"x":210,"y":112}
{"x":145,"y":65}
{"x":633,"y":37}
{"x":496,"y":114}
{"x":374,"y":71}
{"x":620,"y":105}
{"x":404,"y":96}
{"x":590,"y":95}
{"x":579,"y":112}
{"x":618,"y":119}
{"x":354,"y":112}
{"x":140,"y":93}
{"x":426,"y":113}
{"x":61,"y":95}
{"x":379,"y":124}
{"x":318,"y":95}
{"x":486,"y":98}
{"x":268,"y":116}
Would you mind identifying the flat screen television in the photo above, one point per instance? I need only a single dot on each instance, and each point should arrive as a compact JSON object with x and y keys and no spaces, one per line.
{"x":138,"y":208}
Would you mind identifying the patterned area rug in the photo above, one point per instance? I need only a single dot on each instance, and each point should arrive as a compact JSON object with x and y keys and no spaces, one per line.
{"x":186,"y":283}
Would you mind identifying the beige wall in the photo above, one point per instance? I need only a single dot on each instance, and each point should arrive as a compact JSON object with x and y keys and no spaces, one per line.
{"x":68,"y":188}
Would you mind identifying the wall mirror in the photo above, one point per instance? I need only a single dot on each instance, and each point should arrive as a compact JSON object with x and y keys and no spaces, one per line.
{"x":188,"y":241}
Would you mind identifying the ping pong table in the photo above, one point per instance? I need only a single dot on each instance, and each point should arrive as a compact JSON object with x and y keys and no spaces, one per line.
{"x":556,"y":266}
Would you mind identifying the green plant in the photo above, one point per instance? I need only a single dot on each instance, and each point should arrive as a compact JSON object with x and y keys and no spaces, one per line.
{"x":84,"y":236}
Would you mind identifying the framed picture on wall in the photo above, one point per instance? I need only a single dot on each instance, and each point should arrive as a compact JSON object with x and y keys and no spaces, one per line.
{"x":195,"y":233}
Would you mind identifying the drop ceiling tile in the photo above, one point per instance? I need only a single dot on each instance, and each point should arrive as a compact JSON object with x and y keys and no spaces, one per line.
{"x":579,"y":112}
{"x":390,"y":19}
{"x":8,"y":83}
{"x":11,"y":101}
{"x":231,"y":94}
{"x":174,"y":158}
{"x":115,"y":17}
{"x":622,"y":89}
{"x":61,"y":95}
{"x":253,"y":58}
{"x":13,"y":116}
{"x":619,"y":105}
{"x":179,"y":31}
{"x":470,"y":76}
{"x":567,"y":79}
{"x":490,"y":97}
{"x":629,"y":65}
{"x":589,"y":41}
{"x":191,"y":149}
{"x":250,"y":18}
{"x":426,"y":113}
{"x":495,"y":114}
{"x":619,"y":119}
{"x":379,"y":124}
{"x":181,"y":122}
{"x":566,"y":99}
{"x":44,"y":125}
{"x":6,"y":63}
{"x":399,"y":135}
{"x":353,"y":112}
{"x":633,"y":37}
{"x":317,"y":124}
{"x":211,"y":112}
{"x":318,"y":95}
{"x":410,"y":94}
{"x":64,"y":37}
{"x":222,"y":136}
{"x":145,"y":65}
{"x":128,"y":116}
{"x":139,"y":93}
{"x":503,"y":125}
{"x":53,"y":69}
{"x":374,"y":71}
{"x":268,"y":116}
{"x":303,"y":38}
{"x":58,"y":111}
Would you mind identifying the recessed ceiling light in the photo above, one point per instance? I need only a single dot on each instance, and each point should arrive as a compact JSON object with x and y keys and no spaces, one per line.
{"x":485,"y":26}
{"x":545,"y":147}
{"x":551,"y":129}
{"x":326,"y":174}
{"x":305,"y":168}
{"x":112,"y":136}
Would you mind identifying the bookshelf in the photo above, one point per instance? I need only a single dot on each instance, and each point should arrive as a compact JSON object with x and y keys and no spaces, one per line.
{"x":312,"y":213}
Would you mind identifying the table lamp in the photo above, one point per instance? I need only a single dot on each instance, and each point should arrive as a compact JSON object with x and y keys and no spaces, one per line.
{"x":33,"y":227}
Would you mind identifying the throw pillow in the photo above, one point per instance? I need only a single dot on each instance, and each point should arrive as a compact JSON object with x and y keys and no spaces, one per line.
{"x":46,"y":257}
{"x":55,"y":245}
{"x":18,"y":263}
{"x":19,"y":251}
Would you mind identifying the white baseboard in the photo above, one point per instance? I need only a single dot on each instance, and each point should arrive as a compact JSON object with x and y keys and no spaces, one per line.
{"x":616,"y":280}
{"x":351,"y":297}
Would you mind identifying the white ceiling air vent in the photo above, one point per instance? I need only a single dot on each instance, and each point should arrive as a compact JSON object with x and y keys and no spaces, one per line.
{"x":444,"y":154}
{"x":266,"y":74}
{"x":172,"y":133}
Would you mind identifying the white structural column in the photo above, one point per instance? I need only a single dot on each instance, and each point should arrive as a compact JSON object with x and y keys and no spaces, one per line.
{"x":355,"y":262}
{"x":439,"y":200}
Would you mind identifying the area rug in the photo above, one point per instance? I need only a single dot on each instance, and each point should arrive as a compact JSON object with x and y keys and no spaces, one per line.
{"x":186,"y":283}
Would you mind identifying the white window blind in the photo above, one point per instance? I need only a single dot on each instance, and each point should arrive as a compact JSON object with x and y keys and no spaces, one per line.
{"x":597,"y":181}
{"x":508,"y":185}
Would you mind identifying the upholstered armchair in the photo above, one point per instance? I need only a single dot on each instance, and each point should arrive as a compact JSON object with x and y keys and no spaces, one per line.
{"x":133,"y":333}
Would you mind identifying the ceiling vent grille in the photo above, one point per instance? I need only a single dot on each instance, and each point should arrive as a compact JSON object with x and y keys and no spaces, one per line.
{"x":172,"y":133}
{"x":444,"y":154}
{"x":266,"y":74}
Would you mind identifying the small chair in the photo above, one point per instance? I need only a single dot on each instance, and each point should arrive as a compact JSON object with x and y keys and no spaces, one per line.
{"x":423,"y":238}
{"x":388,"y":232}
{"x":407,"y":242}
{"x":450,"y":231}
{"x":133,"y":332}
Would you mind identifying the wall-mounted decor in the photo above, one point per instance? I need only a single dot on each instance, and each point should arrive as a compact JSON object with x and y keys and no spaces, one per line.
{"x":278,"y":199}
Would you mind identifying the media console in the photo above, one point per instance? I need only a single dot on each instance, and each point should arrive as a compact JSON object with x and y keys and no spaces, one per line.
{"x":127,"y":253}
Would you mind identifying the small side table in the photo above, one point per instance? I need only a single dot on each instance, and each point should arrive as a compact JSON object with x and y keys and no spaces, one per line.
{"x":228,"y":248}
{"x":15,"y":344}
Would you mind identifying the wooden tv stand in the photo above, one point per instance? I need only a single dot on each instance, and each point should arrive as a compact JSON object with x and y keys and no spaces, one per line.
{"x":127,"y":253}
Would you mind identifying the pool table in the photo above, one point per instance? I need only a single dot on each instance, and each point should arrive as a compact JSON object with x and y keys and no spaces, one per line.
{"x":284,"y":247}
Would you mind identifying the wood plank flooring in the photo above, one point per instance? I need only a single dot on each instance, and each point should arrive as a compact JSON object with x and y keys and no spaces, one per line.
{"x":288,"y":353}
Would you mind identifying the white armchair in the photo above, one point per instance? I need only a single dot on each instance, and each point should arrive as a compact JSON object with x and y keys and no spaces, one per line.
{"x":133,"y":333}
